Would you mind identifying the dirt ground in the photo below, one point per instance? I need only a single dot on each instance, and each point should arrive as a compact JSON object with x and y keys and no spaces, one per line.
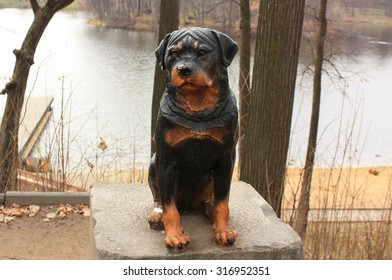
{"x":32,"y":238}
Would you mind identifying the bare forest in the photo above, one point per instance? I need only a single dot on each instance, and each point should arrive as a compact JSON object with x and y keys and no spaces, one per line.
{"x":222,"y":15}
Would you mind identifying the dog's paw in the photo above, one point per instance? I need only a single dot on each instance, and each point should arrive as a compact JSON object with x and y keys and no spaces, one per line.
{"x":177,"y":243}
{"x":225,"y":237}
{"x":155,"y":219}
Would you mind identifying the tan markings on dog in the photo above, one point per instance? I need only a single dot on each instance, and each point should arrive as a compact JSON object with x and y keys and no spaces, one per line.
{"x":176,"y":79}
{"x":155,"y":216}
{"x":179,"y":134}
{"x":204,"y":199}
{"x":200,"y":79}
{"x":179,"y":46}
{"x":222,"y":233}
{"x":196,"y":93}
{"x":195,"y":45}
{"x":205,"y":194}
{"x":175,"y":237}
{"x":193,"y":102}
{"x":221,"y":214}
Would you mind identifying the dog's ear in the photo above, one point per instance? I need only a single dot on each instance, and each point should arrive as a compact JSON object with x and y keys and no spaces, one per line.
{"x":161,"y":50}
{"x":228,"y":47}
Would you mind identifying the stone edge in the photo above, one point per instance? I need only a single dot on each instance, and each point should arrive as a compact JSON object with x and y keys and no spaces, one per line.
{"x":44,"y":198}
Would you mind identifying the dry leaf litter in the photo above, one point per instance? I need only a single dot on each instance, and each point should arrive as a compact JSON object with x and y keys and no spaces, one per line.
{"x":10,"y":213}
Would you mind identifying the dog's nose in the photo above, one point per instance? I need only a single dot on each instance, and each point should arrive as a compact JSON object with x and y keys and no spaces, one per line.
{"x":184,"y":70}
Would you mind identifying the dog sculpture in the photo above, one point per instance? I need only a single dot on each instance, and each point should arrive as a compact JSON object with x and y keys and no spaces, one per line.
{"x":196,"y":134}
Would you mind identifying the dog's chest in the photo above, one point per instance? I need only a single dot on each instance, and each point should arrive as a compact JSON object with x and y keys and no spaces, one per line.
{"x":179,"y":135}
{"x":196,"y":102}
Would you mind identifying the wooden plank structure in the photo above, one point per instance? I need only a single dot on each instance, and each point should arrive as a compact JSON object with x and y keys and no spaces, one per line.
{"x":34,"y":135}
{"x":36,"y":113}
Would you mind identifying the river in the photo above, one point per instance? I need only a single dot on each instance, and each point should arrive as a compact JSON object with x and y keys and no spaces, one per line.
{"x":105,"y":78}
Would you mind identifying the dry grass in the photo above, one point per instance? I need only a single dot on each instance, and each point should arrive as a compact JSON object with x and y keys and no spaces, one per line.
{"x":349,"y":240}
{"x":345,"y":189}
{"x":341,"y":188}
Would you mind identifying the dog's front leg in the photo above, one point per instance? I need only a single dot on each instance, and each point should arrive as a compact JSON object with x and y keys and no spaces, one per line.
{"x":167,"y":174}
{"x":222,"y":179}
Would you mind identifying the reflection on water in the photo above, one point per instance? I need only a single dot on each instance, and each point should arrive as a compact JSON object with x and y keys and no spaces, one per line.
{"x":108,"y":80}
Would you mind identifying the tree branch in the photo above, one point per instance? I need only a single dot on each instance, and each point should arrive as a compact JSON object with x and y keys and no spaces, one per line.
{"x":57,"y":5}
{"x":9,"y":86}
{"x":34,"y":6}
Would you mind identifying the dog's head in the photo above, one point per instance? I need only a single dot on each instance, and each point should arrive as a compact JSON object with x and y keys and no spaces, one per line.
{"x":196,"y":58}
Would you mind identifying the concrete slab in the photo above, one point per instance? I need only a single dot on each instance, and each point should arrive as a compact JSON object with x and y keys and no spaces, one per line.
{"x":120,"y":229}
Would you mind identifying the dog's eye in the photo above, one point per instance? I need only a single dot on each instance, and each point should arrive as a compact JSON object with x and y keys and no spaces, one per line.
{"x":201,"y":53}
{"x":173,"y":53}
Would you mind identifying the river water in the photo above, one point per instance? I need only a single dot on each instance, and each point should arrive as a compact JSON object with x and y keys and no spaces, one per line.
{"x":105,"y":79}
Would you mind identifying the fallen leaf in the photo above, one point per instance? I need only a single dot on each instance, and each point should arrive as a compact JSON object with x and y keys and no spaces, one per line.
{"x":66,"y":209}
{"x":374,"y":172}
{"x":8,"y":219}
{"x":34,"y":209}
{"x":46,"y":219}
{"x":51,"y":215}
{"x":102,"y":145}
{"x":86,"y":212}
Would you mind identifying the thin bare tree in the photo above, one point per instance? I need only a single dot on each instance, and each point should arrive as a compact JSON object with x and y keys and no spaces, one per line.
{"x":16,"y":88}
{"x":244,"y":77}
{"x":301,"y":221}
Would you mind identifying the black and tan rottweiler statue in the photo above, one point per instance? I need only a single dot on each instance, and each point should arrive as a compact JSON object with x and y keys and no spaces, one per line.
{"x":196,"y":134}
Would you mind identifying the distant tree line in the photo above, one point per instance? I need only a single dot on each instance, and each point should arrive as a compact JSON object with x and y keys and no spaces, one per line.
{"x":363,"y":7}
{"x":220,"y":14}
{"x":223,"y":15}
{"x":121,"y":9}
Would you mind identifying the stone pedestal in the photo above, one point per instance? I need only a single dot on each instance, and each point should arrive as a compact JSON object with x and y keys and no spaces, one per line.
{"x":120,"y":229}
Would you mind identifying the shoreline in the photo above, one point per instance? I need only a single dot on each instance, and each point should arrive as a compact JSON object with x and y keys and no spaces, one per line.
{"x":146,"y":23}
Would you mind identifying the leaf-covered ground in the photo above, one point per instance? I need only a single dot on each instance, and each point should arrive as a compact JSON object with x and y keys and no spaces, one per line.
{"x":47,"y":232}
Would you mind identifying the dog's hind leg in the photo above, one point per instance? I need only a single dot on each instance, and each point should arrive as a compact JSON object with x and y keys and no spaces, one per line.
{"x":155,"y":216}
{"x":204,"y":199}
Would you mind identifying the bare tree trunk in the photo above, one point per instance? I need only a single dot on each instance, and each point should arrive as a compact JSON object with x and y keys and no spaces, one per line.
{"x":168,"y":22}
{"x":230,"y":24}
{"x":203,"y":10}
{"x":301,"y":221}
{"x":244,"y":79}
{"x":271,"y":100}
{"x":353,"y":8}
{"x":16,"y":88}
{"x":388,"y":10}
